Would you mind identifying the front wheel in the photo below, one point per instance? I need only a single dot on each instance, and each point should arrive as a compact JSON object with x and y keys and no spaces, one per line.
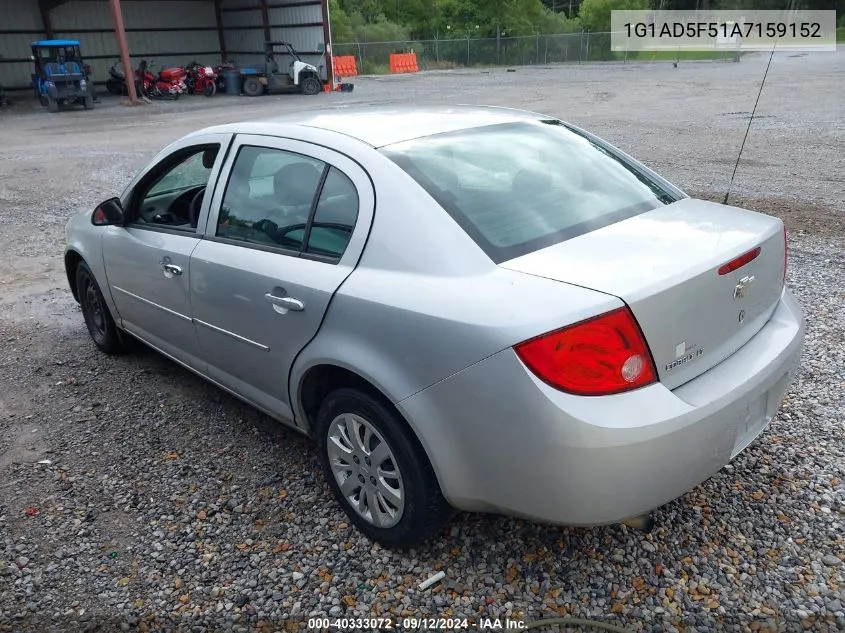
{"x":88,"y":103}
{"x":378,"y":471}
{"x":96,"y":313}
{"x":52,"y":104}
{"x":253,"y":87}
{"x":209,"y":89}
{"x":311,"y":85}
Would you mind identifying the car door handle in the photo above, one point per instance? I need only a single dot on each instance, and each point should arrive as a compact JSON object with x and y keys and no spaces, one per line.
{"x":171,"y":269}
{"x":285,"y":303}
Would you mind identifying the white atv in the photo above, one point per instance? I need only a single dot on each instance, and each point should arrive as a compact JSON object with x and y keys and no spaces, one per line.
{"x":300,"y":76}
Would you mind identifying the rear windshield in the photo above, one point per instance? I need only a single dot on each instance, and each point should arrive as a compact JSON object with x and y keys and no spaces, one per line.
{"x":519,"y":187}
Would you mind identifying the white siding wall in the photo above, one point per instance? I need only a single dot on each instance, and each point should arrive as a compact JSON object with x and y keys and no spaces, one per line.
{"x":24,"y":19}
{"x":299,"y":24}
{"x":166,"y":32}
{"x":173,"y":32}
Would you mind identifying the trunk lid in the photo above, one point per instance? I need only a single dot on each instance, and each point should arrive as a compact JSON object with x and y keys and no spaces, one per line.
{"x":665,"y":265}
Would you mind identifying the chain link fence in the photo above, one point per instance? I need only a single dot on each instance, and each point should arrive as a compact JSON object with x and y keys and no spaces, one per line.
{"x":374,"y":57}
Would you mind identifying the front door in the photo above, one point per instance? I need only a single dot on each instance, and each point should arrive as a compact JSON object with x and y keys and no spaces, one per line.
{"x":283,"y":234}
{"x":148,"y":259}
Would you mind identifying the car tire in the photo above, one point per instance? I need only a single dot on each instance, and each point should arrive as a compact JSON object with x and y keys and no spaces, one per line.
{"x":410,"y":475}
{"x":253,"y":87}
{"x":98,"y":319}
{"x":311,"y":86}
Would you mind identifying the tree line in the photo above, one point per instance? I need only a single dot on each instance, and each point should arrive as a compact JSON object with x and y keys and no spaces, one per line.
{"x":397,"y":20}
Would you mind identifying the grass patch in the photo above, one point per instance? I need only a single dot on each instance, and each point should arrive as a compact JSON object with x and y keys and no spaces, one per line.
{"x":671,"y":56}
{"x":374,"y":68}
{"x":840,"y":35}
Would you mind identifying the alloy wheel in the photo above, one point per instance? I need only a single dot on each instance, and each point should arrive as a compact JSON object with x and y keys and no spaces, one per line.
{"x":366,"y":470}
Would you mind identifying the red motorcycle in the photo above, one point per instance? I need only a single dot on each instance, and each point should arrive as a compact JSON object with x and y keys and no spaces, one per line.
{"x":175,"y":75}
{"x":201,"y":79}
{"x":168,"y":84}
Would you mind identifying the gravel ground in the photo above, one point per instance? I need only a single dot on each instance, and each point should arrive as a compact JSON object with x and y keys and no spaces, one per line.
{"x":135,"y":496}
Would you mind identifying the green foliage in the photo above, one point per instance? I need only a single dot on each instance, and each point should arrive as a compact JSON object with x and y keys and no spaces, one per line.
{"x":341,"y":27}
{"x":595,"y":14}
{"x":392,"y":20}
{"x":363,"y":21}
{"x":381,"y":30}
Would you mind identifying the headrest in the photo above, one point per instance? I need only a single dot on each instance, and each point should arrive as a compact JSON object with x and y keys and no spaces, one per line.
{"x":295,"y":184}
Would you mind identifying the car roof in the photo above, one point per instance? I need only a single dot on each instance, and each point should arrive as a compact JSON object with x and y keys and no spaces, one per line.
{"x":384,"y":125}
{"x":46,"y":43}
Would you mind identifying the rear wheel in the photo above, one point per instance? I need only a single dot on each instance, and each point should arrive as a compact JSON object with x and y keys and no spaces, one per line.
{"x":377,"y":470}
{"x":43,"y":100}
{"x":253,"y":87}
{"x":96,"y":313}
{"x":311,"y":85}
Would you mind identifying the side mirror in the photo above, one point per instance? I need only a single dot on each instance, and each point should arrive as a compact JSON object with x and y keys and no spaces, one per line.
{"x":108,"y":213}
{"x":321,"y":47}
{"x":32,"y":57}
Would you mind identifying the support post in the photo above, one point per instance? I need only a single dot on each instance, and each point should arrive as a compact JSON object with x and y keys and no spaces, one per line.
{"x":327,"y":38}
{"x":120,"y":33}
{"x":265,"y":21}
{"x":221,"y":34}
{"x":45,"y":19}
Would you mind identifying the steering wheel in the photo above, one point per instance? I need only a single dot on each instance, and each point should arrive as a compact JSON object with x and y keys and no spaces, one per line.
{"x":195,"y":206}
{"x":282,"y":233}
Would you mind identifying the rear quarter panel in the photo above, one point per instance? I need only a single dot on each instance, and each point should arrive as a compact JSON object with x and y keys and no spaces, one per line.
{"x":425,"y":302}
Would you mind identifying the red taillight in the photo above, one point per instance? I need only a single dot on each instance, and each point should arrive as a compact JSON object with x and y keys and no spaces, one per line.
{"x":740,"y":261}
{"x":600,"y":356}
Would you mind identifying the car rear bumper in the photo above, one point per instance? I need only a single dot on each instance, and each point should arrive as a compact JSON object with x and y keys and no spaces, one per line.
{"x":501,"y":440}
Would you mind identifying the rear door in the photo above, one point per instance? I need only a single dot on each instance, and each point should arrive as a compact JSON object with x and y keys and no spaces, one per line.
{"x":148,"y":259}
{"x":283,"y":233}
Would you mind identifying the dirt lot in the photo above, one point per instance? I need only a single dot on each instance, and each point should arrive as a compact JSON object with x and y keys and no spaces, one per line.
{"x":165,"y":498}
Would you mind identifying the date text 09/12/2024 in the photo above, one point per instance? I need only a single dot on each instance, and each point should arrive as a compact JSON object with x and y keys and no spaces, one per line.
{"x":414,"y":624}
{"x":678,"y":30}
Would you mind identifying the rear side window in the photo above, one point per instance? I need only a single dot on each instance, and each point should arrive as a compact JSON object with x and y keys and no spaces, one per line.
{"x":280,"y":199}
{"x":519,"y":187}
{"x":335,"y":216}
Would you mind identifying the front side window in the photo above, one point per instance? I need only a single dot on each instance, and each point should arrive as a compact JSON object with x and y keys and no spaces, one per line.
{"x":519,"y":187}
{"x":287,"y":200}
{"x":172,"y":193}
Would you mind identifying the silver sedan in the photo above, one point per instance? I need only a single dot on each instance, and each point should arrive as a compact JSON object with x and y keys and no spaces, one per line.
{"x":468,"y":308}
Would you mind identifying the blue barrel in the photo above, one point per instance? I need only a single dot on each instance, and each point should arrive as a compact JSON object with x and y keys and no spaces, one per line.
{"x":233,"y":82}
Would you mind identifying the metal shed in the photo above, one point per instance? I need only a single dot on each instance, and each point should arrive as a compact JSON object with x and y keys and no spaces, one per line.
{"x":172,"y":32}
